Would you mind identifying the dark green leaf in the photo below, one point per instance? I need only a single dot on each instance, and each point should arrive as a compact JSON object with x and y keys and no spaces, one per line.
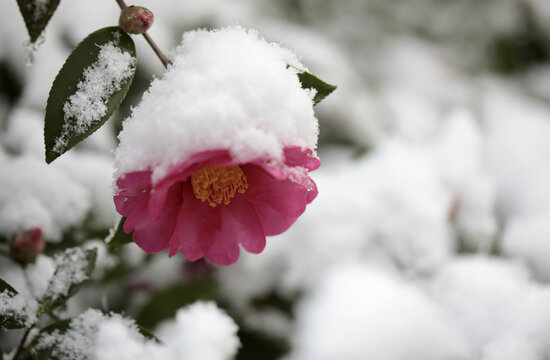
{"x":148,"y":334}
{"x":61,"y":131}
{"x":310,"y":81}
{"x":5,"y":286}
{"x":120,"y":237}
{"x":164,"y":304}
{"x":71,"y":263}
{"x":36,"y":14}
{"x":11,"y":319}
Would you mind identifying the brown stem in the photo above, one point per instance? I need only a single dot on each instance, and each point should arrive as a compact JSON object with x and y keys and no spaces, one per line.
{"x":22,"y":343}
{"x":163,"y":58}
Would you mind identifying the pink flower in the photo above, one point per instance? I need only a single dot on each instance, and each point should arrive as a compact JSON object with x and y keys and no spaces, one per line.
{"x":209,"y":204}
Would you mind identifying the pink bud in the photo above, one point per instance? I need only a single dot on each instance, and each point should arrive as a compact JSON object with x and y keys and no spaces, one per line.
{"x":25,"y":246}
{"x":135,"y":19}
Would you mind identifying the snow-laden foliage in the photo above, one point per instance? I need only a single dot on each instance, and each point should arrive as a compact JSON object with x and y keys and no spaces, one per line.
{"x":429,"y":236}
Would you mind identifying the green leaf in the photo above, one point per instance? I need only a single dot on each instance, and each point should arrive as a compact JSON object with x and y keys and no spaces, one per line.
{"x":36,"y":14}
{"x":164,"y":304}
{"x":73,"y":269}
{"x":120,"y":237}
{"x":14,"y":314}
{"x":64,"y":130}
{"x":5,"y":286}
{"x":310,"y":81}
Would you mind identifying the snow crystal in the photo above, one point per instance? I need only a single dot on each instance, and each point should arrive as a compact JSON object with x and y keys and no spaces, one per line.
{"x":362,"y":313}
{"x":78,"y":342}
{"x":17,"y":307}
{"x":70,"y":269}
{"x":228,"y":89}
{"x":101,"y":79}
{"x":33,"y":194}
{"x":200,"y":331}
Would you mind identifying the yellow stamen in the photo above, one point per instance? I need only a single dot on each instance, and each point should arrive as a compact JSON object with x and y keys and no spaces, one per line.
{"x":218,"y":184}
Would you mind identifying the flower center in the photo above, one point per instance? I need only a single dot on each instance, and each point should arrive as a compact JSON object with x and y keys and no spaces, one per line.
{"x":218,"y":184}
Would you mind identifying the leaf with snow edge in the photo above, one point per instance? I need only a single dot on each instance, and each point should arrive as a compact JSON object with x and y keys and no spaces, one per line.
{"x":108,"y":52}
{"x":120,"y":237}
{"x":37,"y":14}
{"x":76,"y":337}
{"x":44,"y":353}
{"x":310,"y":81}
{"x":74,"y":267}
{"x":15,"y":311}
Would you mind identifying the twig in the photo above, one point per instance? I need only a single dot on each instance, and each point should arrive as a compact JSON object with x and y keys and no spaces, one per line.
{"x":22,"y":343}
{"x":163,"y":58}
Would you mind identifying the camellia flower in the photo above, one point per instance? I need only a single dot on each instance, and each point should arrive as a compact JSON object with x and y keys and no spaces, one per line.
{"x":218,"y":152}
{"x":210,"y":204}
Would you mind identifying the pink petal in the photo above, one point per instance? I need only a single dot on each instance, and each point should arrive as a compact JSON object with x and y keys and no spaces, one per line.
{"x":278,"y":203}
{"x":295,"y":156}
{"x":134,"y":188}
{"x":241,"y":224}
{"x":164,"y":199}
{"x":139,"y":218}
{"x":182,"y":171}
{"x":156,"y":237}
{"x":197,"y":223}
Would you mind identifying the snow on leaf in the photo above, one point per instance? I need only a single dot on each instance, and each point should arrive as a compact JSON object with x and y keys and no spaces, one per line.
{"x":89,"y":87}
{"x":37,"y":14}
{"x":15,"y":311}
{"x":74,"y":267}
{"x":75,"y":339}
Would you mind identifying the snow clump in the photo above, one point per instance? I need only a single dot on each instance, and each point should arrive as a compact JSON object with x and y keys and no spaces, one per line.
{"x":227,"y":89}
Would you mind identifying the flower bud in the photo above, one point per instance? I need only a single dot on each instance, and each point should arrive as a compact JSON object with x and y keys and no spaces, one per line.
{"x":135,"y":19}
{"x":25,"y":246}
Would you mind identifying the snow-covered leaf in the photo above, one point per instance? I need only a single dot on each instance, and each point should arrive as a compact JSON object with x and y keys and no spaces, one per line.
{"x":45,"y":352}
{"x":15,"y":311}
{"x":310,"y":81}
{"x":120,"y":237}
{"x":36,"y":14}
{"x":89,"y":87}
{"x":76,"y":338}
{"x":74,"y":267}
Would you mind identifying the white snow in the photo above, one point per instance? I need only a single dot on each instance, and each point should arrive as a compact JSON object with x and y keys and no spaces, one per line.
{"x":499,"y":310}
{"x":228,"y":89}
{"x":38,"y":275}
{"x":88,"y":105}
{"x":17,"y":307}
{"x":78,"y":342}
{"x":33,"y":194}
{"x":362,"y":313}
{"x":200,"y":331}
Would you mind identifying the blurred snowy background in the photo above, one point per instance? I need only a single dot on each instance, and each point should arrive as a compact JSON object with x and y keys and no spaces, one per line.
{"x":430,"y":238}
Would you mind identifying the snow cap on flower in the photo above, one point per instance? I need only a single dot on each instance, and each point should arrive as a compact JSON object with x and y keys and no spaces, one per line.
{"x":227,"y":89}
{"x":218,"y":152}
